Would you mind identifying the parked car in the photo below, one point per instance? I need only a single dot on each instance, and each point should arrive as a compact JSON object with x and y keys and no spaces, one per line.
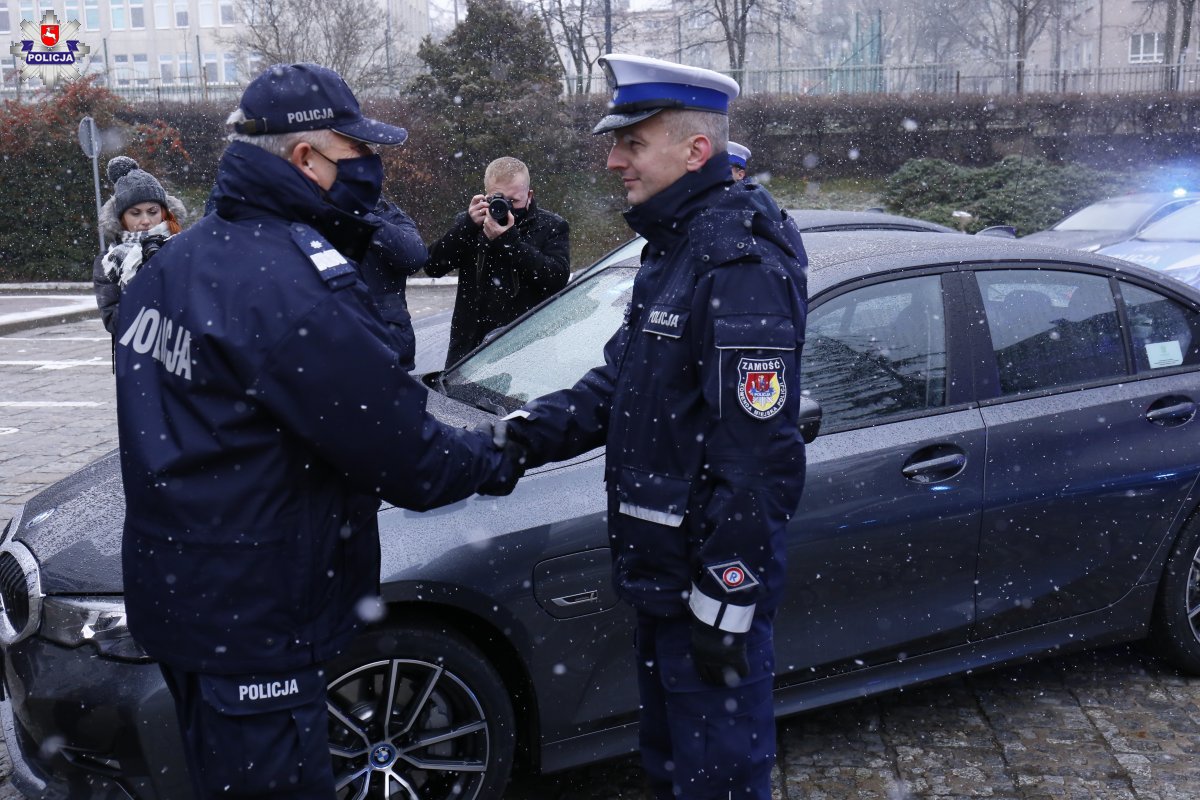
{"x":1171,"y":245}
{"x":1006,"y":468}
{"x":1113,"y":220}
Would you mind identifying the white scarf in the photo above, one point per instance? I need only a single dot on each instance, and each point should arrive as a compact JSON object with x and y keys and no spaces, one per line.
{"x":124,"y":259}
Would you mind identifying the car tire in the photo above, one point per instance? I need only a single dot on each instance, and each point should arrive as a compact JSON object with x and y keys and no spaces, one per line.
{"x":1176,"y":627}
{"x":419,"y":712}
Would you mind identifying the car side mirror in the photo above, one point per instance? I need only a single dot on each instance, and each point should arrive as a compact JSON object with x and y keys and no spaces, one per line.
{"x":809,"y":418}
{"x":1001,"y":231}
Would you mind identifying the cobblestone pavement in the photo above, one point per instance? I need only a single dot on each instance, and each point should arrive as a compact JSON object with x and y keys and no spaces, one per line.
{"x":1116,"y":724}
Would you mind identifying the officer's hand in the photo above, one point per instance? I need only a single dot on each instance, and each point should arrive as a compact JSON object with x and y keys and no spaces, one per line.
{"x":720,"y":656}
{"x":512,"y":459}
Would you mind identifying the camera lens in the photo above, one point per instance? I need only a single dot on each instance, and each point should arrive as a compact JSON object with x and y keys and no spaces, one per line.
{"x":498,"y":207}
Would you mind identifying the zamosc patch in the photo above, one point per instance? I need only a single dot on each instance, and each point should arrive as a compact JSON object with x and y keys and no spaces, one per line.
{"x":761,"y":388}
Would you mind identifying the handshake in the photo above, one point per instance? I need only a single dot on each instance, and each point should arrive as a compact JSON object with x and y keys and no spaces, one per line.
{"x":507,"y":438}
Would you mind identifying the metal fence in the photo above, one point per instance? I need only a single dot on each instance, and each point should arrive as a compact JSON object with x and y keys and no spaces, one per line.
{"x":976,"y":79}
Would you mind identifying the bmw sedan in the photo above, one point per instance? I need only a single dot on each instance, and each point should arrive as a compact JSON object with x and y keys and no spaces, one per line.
{"x":1006,"y":468}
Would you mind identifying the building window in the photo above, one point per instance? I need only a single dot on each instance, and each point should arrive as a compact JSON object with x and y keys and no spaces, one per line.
{"x":210,"y":68}
{"x":141,"y":69}
{"x":185,"y":68}
{"x":27,"y":10}
{"x":1146,"y":48}
{"x":137,"y":15}
{"x":162,"y":14}
{"x":229,"y":62}
{"x":121,"y":70}
{"x":116,"y":11}
{"x":206,"y":14}
{"x":181,"y":13}
{"x":91,"y":13}
{"x":71,"y":10}
{"x":228,"y":15}
{"x":166,"y":68}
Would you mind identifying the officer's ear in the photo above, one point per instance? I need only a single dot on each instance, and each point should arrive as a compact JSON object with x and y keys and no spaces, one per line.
{"x":301,"y":158}
{"x":699,"y":150}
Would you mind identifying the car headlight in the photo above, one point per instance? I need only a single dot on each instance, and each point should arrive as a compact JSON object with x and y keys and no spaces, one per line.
{"x":98,"y":621}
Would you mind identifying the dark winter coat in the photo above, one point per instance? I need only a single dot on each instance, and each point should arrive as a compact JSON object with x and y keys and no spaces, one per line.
{"x":396,"y":252}
{"x":697,"y":402}
{"x":501,"y":279}
{"x":262,"y":413}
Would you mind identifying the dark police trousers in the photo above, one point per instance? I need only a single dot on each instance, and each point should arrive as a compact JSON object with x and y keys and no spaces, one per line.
{"x":263,"y":736}
{"x":703,"y":742}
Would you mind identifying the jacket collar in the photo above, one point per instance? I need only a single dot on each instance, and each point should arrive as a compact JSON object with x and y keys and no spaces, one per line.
{"x":252,"y":183}
{"x":663,"y":218}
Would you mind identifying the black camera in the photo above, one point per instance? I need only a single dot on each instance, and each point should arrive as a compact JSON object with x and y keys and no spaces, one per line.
{"x":499,"y":207}
{"x":151,"y":245}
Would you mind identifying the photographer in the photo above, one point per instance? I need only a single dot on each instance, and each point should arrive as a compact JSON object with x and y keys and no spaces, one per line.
{"x":510,"y":255}
{"x":136,"y":220}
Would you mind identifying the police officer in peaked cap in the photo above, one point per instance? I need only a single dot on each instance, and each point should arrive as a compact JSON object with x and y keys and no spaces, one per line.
{"x":739,"y":155}
{"x":263,"y":413}
{"x":697,"y":403}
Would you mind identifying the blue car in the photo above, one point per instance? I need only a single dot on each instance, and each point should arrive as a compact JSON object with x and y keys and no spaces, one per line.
{"x":1006,"y":468}
{"x":1171,"y":245}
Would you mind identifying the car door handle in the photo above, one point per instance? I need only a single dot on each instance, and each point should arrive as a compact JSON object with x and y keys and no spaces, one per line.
{"x":1171,"y":411}
{"x":937,"y":468}
{"x":576,"y":599}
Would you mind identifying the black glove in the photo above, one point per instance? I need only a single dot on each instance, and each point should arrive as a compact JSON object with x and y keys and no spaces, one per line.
{"x":512,"y":460}
{"x":720,"y":656}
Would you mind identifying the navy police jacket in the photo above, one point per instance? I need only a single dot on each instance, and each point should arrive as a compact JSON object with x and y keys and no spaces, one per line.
{"x":697,"y":402}
{"x":262,"y":412}
{"x":396,"y":252}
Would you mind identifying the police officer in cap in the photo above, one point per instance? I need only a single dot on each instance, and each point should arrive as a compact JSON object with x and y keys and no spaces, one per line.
{"x":739,"y":155}
{"x":697,"y":402}
{"x":262,"y":413}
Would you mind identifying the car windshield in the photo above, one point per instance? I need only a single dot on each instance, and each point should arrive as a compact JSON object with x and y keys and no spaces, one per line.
{"x":1110,"y":215}
{"x":1182,"y":225}
{"x":548,"y":350}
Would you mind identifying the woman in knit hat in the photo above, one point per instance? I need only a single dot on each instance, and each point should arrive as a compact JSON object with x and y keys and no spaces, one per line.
{"x":137,"y":219}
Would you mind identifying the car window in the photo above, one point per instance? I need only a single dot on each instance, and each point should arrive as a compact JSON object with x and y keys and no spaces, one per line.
{"x":1165,"y":334}
{"x":630,"y":251}
{"x":550,"y":349}
{"x":877,"y":351}
{"x":1051,"y":328}
{"x":1110,"y":215}
{"x":1168,"y":209}
{"x":1182,"y":225}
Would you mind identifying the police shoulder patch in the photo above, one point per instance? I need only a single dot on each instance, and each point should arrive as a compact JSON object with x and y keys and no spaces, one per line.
{"x":330,"y":264}
{"x":733,"y":576}
{"x":761,"y":389}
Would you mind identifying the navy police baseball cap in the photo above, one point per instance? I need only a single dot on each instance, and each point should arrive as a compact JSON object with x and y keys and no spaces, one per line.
{"x":739,"y":154}
{"x":642,"y":87}
{"x":308,"y":97}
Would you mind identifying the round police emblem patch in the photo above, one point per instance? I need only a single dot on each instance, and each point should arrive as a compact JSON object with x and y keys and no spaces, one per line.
{"x":761,"y":387}
{"x":733,"y":577}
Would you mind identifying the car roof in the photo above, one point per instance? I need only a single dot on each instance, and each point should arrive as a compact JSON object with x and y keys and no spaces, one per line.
{"x":1148,"y":196}
{"x":809,"y":219}
{"x":838,"y":257}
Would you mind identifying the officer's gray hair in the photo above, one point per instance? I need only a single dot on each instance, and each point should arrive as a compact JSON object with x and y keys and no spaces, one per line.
{"x":681,"y":124}
{"x":280,"y":144}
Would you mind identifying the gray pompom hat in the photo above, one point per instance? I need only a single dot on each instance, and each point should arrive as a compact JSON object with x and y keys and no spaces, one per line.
{"x":133,"y":185}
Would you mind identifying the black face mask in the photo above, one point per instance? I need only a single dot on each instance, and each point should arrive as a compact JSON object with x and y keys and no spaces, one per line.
{"x":520,"y":213}
{"x":358,"y":185}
